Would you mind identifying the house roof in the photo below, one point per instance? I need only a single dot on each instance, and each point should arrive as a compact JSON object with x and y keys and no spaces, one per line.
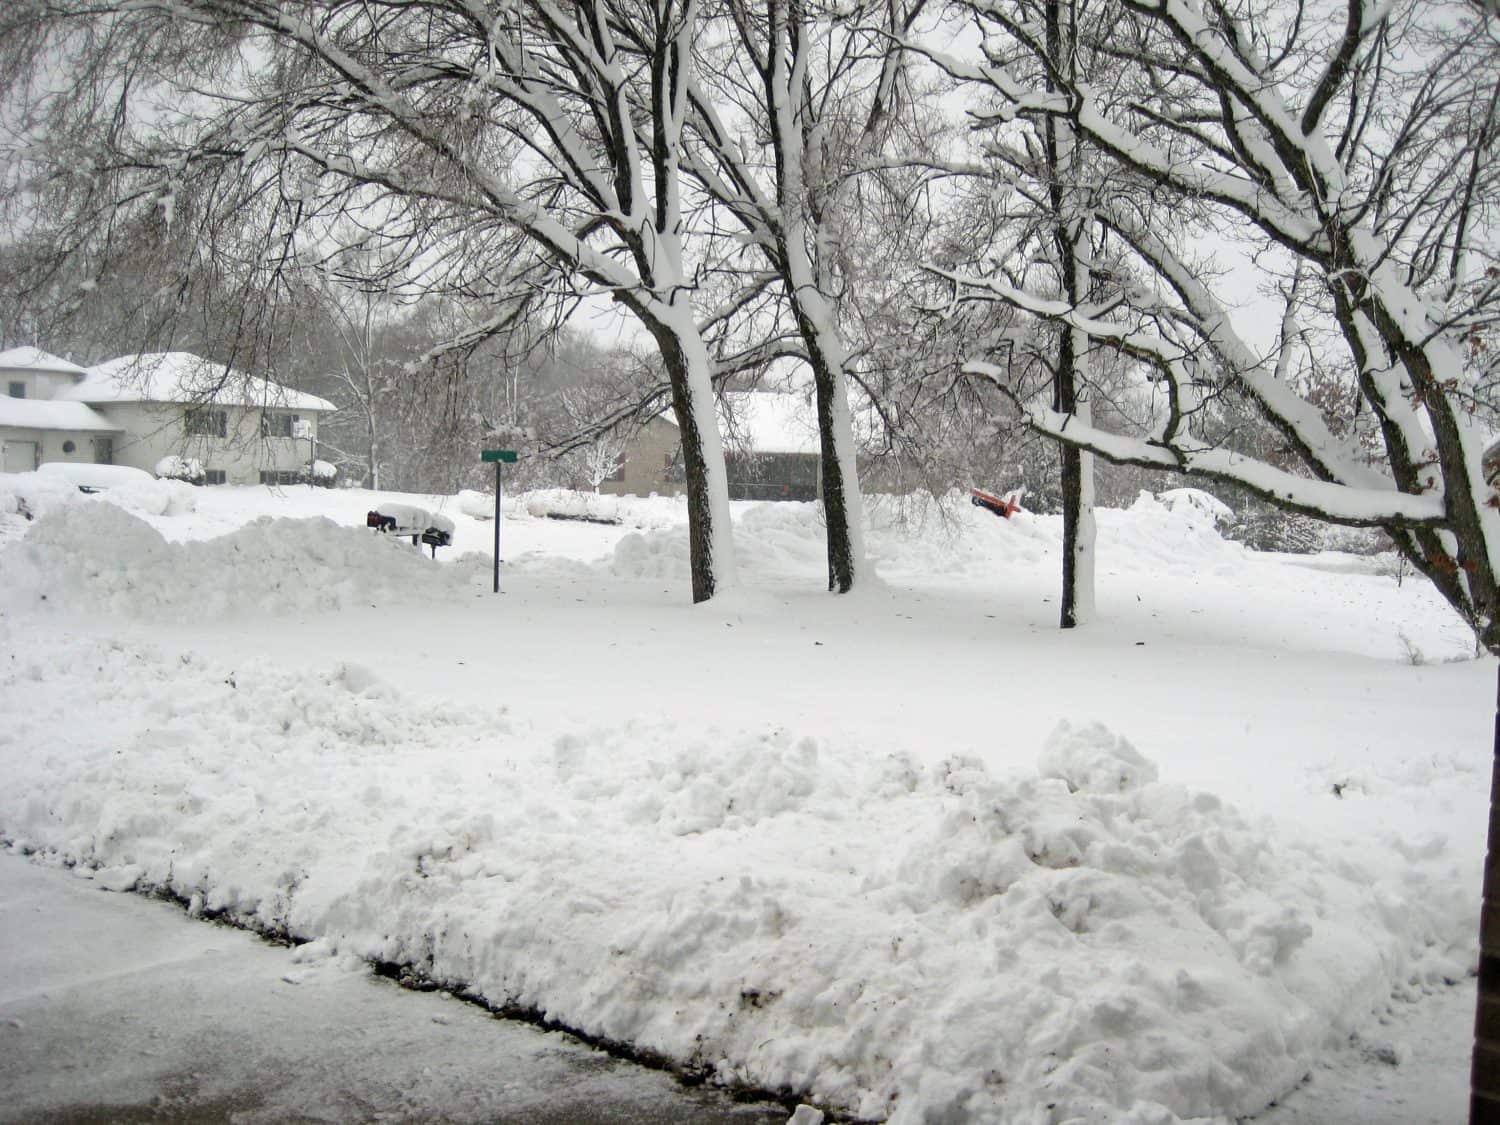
{"x":187,"y":378}
{"x":37,"y":360}
{"x":51,"y":414}
{"x":773,"y":422}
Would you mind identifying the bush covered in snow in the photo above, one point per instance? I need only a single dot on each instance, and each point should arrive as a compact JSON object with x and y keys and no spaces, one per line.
{"x":562,"y":503}
{"x":188,"y":469}
{"x":633,"y":511}
{"x":320,"y":473}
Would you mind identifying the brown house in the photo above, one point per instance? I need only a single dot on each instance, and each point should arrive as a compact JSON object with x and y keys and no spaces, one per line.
{"x":770,"y":450}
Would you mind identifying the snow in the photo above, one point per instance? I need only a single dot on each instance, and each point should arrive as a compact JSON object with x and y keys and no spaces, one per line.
{"x":15,"y":359}
{"x":911,"y":853}
{"x":47,"y":414}
{"x":176,"y":467}
{"x":184,"y":377}
{"x":778,"y":422}
{"x":412,"y":520}
{"x":85,"y":474}
{"x":259,"y":1033}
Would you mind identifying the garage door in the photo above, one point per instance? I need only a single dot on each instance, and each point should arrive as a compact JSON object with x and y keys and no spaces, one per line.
{"x":20,"y":456}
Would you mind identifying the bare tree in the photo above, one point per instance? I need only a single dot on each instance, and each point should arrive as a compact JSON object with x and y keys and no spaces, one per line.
{"x":448,"y":126}
{"x":1386,"y":202}
{"x":1361,"y":160}
{"x":797,"y":104}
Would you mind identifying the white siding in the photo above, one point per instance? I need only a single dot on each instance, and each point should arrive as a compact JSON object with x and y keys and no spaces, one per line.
{"x":157,"y":430}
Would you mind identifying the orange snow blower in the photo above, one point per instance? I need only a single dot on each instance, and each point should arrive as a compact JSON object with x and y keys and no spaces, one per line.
{"x":1004,"y":508}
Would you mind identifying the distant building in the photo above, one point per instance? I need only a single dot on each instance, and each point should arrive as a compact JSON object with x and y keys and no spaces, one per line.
{"x":771,"y":450}
{"x":138,"y":410}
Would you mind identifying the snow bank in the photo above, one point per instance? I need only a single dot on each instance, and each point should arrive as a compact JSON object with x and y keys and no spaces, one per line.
{"x":1093,"y":760}
{"x":96,"y":557}
{"x":30,"y":495}
{"x":633,"y":511}
{"x":154,"y":497}
{"x":36,"y":494}
{"x":919,"y":539}
{"x":918,"y":942}
{"x":476,"y":505}
{"x":771,"y":541}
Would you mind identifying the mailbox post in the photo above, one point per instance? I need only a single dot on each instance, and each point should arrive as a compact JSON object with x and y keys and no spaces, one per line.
{"x":499,"y":457}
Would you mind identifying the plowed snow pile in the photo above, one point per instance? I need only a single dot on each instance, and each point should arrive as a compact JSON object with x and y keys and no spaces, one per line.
{"x":93,"y":556}
{"x":843,"y":895}
{"x":1078,"y":942}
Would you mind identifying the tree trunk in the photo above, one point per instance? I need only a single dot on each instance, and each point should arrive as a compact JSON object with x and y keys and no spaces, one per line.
{"x":1069,"y":392}
{"x":842,"y":507}
{"x":1484,"y":1078}
{"x":1077,"y":494}
{"x":710,"y":539}
{"x":841,"y":499}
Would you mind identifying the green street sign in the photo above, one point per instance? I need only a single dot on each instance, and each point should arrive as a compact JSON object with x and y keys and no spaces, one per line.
{"x":506,"y":455}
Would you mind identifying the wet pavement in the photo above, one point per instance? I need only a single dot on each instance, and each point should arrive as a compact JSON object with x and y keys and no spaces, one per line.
{"x":118,"y":1008}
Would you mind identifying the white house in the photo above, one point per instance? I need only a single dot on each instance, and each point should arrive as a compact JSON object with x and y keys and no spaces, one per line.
{"x":35,"y":426}
{"x":137,"y":410}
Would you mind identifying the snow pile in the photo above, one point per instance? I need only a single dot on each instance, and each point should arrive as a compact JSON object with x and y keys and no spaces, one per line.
{"x":97,"y":557}
{"x":633,"y":511}
{"x":30,"y":495}
{"x":560,"y":503}
{"x":163,"y":497}
{"x":1092,"y":760}
{"x":771,"y":541}
{"x":917,"y":537}
{"x":1168,"y":535}
{"x":1196,"y":502}
{"x":891,"y":938}
{"x":920,"y":539}
{"x":476,"y":505}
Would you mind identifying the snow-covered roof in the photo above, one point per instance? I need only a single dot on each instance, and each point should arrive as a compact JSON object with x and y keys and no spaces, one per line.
{"x":769,"y":422}
{"x":51,"y":414}
{"x":35,"y":359}
{"x":773,"y":422}
{"x":185,"y":377}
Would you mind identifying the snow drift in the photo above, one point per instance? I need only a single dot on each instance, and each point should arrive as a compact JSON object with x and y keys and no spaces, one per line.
{"x":94,"y":556}
{"x":899,"y":940}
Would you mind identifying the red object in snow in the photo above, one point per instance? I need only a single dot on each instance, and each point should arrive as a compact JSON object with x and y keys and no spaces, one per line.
{"x":1004,"y":508}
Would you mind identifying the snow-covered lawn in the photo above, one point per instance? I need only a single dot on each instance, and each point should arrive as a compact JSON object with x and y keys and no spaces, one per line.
{"x":909,"y":854}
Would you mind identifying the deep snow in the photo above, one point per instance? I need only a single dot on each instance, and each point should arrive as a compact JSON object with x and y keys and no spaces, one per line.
{"x":878,"y":850}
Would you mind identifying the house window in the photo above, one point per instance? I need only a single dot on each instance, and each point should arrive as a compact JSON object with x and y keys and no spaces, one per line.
{"x":206,"y":423}
{"x":17,"y":390}
{"x":274,"y":424}
{"x":68,"y":447}
{"x":104,"y":451}
{"x":214,"y":476}
{"x":278,"y":476}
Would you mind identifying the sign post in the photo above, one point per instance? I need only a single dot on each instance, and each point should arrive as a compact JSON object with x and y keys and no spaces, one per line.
{"x":499,"y":457}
